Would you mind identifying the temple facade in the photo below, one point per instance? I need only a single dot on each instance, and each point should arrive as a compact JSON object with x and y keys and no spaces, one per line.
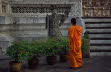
{"x":39,"y":7}
{"x":26,"y":19}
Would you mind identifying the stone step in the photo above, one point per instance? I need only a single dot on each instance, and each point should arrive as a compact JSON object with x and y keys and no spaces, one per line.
{"x":100,"y":38}
{"x":98,"y":30}
{"x":100,"y":35}
{"x":100,"y":41}
{"x":97,"y":22}
{"x":101,"y":48}
{"x":103,"y":44}
{"x":97,"y":19}
{"x":100,"y":53}
{"x":98,"y":25}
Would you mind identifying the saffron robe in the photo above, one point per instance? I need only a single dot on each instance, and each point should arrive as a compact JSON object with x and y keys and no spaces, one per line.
{"x":75,"y":53}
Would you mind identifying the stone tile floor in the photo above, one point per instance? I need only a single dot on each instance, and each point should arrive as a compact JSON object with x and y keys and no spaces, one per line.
{"x":93,"y":64}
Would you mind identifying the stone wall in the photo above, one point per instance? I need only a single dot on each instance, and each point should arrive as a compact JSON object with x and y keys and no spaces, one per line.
{"x":31,"y":26}
{"x":2,"y":20}
{"x":6,"y":20}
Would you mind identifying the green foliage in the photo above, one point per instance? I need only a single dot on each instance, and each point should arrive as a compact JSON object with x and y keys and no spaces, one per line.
{"x":51,"y":47}
{"x":22,"y":50}
{"x":36,"y":49}
{"x":18,"y":50}
{"x":85,"y":44}
{"x":63,"y":43}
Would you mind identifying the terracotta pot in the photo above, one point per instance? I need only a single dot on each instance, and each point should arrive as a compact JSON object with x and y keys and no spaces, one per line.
{"x":33,"y":63}
{"x":51,"y":60}
{"x":63,"y":58}
{"x":15,"y":66}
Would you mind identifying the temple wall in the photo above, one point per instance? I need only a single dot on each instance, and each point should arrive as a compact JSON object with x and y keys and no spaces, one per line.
{"x":76,"y":5}
{"x":30,"y":26}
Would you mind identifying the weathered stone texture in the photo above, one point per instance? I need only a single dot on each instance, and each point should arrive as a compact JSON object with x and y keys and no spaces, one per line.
{"x":30,"y":26}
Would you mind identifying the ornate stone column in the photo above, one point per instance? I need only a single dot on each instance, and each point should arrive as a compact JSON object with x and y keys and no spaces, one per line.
{"x":76,"y":8}
{"x":0,"y":7}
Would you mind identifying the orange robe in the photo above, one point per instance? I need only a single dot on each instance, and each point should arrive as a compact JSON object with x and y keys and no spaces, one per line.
{"x":74,"y":38}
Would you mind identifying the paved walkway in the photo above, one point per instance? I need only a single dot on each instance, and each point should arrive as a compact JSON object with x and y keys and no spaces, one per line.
{"x":93,"y":64}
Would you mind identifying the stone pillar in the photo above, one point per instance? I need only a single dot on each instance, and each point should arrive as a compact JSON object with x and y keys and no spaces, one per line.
{"x":0,"y":7}
{"x":76,"y":9}
{"x":8,"y":17}
{"x":73,"y":10}
{"x":8,"y":8}
{"x":81,"y":9}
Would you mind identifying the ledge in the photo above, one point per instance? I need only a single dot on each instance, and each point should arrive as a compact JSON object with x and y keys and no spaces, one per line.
{"x":3,"y":57}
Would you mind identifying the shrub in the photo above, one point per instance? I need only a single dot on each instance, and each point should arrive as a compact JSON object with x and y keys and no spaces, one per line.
{"x":18,"y":50}
{"x":85,"y":44}
{"x":63,"y":45}
{"x":36,"y":49}
{"x":51,"y":47}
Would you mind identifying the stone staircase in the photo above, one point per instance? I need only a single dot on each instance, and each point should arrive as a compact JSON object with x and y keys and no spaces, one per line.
{"x":100,"y":34}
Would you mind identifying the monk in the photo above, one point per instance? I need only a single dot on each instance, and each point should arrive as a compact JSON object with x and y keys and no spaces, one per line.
{"x":74,"y":38}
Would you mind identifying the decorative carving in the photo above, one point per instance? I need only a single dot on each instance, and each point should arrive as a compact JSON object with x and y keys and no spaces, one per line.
{"x":39,"y":9}
{"x":30,"y":7}
{"x":97,"y":8}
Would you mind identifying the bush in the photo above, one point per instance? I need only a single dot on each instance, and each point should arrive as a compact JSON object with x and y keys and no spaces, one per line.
{"x":18,"y":50}
{"x":85,"y":44}
{"x":36,"y":49}
{"x":51,"y":47}
{"x":63,"y":45}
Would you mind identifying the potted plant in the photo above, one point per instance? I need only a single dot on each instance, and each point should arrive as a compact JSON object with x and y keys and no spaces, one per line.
{"x":51,"y":50}
{"x":18,"y":52}
{"x":86,"y":46}
{"x":63,"y":49}
{"x":35,"y":51}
